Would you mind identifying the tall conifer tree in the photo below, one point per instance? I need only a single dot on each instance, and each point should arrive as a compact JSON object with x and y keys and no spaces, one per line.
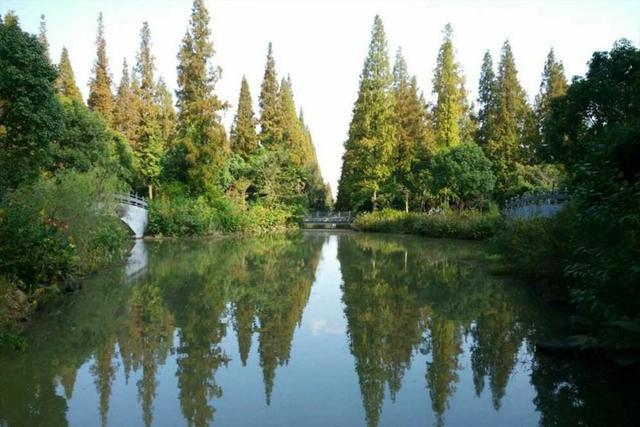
{"x":486,"y":99}
{"x":504,"y":145}
{"x":448,"y":85}
{"x":149,"y":147}
{"x":270,"y":110}
{"x":415,"y":141}
{"x":293,"y":136}
{"x":166,"y":112}
{"x":125,"y":109}
{"x":244,"y":139}
{"x":367,"y":163}
{"x":554,"y":84}
{"x":66,"y":81}
{"x":42,"y":36}
{"x":203,"y":140}
{"x":100,"y":96}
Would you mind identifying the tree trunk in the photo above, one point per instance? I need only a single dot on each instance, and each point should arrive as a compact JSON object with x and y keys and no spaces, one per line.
{"x":406,"y":201}
{"x":150,"y":188}
{"x":374,"y":200}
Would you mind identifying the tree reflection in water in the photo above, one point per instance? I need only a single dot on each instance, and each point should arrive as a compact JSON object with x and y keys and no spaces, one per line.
{"x":410,"y":304}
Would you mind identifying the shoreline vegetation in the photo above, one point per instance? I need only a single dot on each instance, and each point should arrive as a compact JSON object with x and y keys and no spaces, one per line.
{"x":62,"y":158}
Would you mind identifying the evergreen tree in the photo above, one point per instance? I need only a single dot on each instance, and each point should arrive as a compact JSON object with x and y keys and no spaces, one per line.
{"x":203,"y":141}
{"x":244,"y":139}
{"x":125,"y":109}
{"x":318,"y":192}
{"x":100,"y":96}
{"x":66,"y":81}
{"x":448,"y":85}
{"x":149,"y":145}
{"x":166,"y":111}
{"x":42,"y":37}
{"x":414,"y":137}
{"x":368,"y":159}
{"x":270,"y":116}
{"x":30,"y":114}
{"x":505,"y":142}
{"x":293,"y":135}
{"x":486,"y":99}
{"x":554,"y":84}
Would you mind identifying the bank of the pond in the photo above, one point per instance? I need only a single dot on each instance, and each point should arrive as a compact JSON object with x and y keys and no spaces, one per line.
{"x":471,"y":225}
{"x":544,"y":254}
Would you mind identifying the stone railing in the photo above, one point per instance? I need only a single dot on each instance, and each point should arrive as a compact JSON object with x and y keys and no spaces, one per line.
{"x":536,"y":205}
{"x":131,"y":199}
{"x":329,"y":218}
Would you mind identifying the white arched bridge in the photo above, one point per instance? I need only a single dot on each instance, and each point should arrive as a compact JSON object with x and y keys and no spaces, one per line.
{"x":332,"y":219}
{"x":542,"y":205}
{"x":133,"y":211}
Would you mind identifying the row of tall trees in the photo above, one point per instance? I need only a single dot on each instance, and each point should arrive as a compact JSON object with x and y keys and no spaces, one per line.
{"x":396,"y":139}
{"x":190,"y":145}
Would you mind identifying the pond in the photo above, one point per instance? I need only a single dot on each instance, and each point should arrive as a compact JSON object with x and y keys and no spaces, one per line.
{"x":313,"y":329}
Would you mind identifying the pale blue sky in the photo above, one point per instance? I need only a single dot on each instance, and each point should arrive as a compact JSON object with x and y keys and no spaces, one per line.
{"x":323,"y":44}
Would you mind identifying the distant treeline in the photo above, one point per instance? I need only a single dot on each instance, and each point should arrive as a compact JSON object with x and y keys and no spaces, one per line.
{"x":403,"y":152}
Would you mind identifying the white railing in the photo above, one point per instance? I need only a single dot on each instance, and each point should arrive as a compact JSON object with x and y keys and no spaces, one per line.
{"x":329,"y":217}
{"x":132,"y":199}
{"x":536,"y":205}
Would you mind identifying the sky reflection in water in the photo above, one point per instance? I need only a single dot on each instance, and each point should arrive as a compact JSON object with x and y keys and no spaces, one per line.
{"x":316,"y":329}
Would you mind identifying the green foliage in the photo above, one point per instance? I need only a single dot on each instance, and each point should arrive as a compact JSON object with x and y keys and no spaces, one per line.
{"x":594,"y":130}
{"x":537,"y":249}
{"x":30,"y":116}
{"x":270,"y":110}
{"x":505,"y":127}
{"x":244,"y":139}
{"x":487,"y":92}
{"x":13,"y":308}
{"x":66,"y":81}
{"x":126,"y":108}
{"x":537,"y":178}
{"x":200,"y":131}
{"x":460,"y":225}
{"x":100,"y":96}
{"x":181,"y":215}
{"x":261,"y":219}
{"x":367,"y":163}
{"x":448,"y":85}
{"x":166,"y":112}
{"x":415,"y":136}
{"x":42,"y":37}
{"x":554,"y":85}
{"x":463,"y":175}
{"x":175,"y":213}
{"x":84,"y":140}
{"x":149,"y":146}
{"x":56,"y":229}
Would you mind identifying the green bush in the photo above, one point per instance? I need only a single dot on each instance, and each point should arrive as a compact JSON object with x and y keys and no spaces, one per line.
{"x":465,"y":225}
{"x":261,"y":219}
{"x":537,"y":249}
{"x":58,"y":228}
{"x":13,"y":307}
{"x":175,"y":213}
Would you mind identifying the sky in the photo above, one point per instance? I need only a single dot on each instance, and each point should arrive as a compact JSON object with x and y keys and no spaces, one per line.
{"x":322,"y":44}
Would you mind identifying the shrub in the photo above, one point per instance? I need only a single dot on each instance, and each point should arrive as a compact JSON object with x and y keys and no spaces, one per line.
{"x":536,"y":249}
{"x":260,"y":219}
{"x":465,"y":225}
{"x":58,"y":228}
{"x":175,"y":213}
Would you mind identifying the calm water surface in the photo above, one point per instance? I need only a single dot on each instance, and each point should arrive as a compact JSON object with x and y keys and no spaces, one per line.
{"x":318,"y":329}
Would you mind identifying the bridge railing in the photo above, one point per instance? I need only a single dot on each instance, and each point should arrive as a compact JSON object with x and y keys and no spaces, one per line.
{"x":132,"y":199}
{"x":543,"y":204}
{"x":329,"y":217}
